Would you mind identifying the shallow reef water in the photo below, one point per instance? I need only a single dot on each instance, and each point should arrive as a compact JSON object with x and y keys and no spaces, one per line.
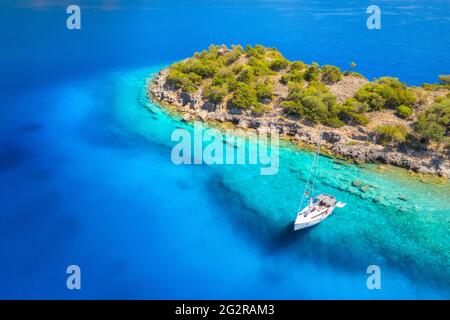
{"x":391,"y":218}
{"x":90,"y":181}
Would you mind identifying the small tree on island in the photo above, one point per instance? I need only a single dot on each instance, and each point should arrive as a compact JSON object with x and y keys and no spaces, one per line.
{"x":391,"y":135}
{"x":444,"y":78}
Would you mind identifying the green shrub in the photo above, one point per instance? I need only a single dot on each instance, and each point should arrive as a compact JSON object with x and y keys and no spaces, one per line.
{"x":204,"y":55}
{"x":232,"y":84}
{"x":444,"y":78}
{"x":294,"y":75}
{"x":434,"y":123}
{"x":315,"y":103}
{"x":236,"y":69}
{"x":354,"y":74}
{"x":176,"y":78}
{"x":214,"y":94}
{"x":247,"y":75}
{"x":244,"y":97}
{"x":273,"y":53}
{"x":317,"y":88}
{"x":395,"y":93}
{"x":436,"y":86}
{"x":388,"y":135}
{"x":195,"y":78}
{"x":279,"y":64}
{"x":296,"y":91}
{"x":260,"y":66}
{"x":260,"y":108}
{"x":440,"y":99}
{"x":354,"y":105}
{"x":312,"y":73}
{"x":352,"y":118}
{"x":204,"y":68}
{"x":233,"y":55}
{"x":292,"y":107}
{"x":368,"y":96}
{"x":222,"y":78}
{"x":314,"y":109}
{"x":187,"y":82}
{"x":297,"y":65}
{"x":225,"y":79}
{"x":334,"y":122}
{"x":385,"y":93}
{"x":264,"y":90}
{"x":331,"y":74}
{"x":329,"y":99}
{"x":430,"y":130}
{"x":404,"y":112}
{"x":257,"y":51}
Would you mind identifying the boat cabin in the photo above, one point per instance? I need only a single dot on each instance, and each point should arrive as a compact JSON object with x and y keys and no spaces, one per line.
{"x":325,"y":200}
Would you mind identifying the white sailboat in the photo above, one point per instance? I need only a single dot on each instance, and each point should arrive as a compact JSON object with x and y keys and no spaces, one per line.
{"x":320,"y":206}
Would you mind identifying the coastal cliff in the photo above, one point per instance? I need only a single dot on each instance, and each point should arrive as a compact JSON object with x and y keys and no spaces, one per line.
{"x":258,"y":89}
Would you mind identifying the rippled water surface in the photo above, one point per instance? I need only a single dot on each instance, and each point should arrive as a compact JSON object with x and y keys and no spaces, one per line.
{"x":86,"y":176}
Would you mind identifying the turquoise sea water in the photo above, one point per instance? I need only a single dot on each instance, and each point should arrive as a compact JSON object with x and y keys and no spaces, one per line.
{"x":390,"y":220}
{"x":240,"y":222}
{"x":86,"y":176}
{"x":142,"y":227}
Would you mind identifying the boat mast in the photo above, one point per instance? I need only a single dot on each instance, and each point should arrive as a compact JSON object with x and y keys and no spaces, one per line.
{"x":316,"y":165}
{"x":309,"y":187}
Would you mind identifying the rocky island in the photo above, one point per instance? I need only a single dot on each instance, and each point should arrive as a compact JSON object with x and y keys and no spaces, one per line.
{"x":253,"y":88}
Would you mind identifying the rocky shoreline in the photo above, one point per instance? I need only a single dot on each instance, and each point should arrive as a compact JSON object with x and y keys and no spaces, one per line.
{"x":352,"y":142}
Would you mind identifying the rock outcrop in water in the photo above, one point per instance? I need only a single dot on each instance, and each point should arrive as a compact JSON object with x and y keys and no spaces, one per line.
{"x":357,"y":140}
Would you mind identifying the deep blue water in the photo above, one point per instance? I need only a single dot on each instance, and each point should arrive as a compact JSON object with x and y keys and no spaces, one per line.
{"x":86,"y":176}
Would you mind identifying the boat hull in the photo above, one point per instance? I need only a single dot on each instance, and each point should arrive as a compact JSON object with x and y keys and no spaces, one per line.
{"x":300,"y":226}
{"x":309,"y":217}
